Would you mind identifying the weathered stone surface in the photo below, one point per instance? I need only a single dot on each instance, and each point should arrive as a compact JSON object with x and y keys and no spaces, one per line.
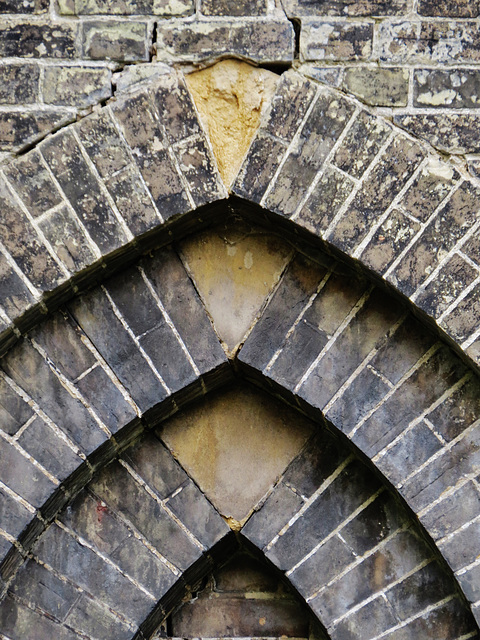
{"x":390,"y":239}
{"x":266,"y":41}
{"x":447,"y":8}
{"x":94,"y":313}
{"x":32,"y":373}
{"x":361,"y":144}
{"x":462,"y":321}
{"x":455,"y":276}
{"x":76,"y":86}
{"x":454,"y":89}
{"x":118,"y":489}
{"x":162,"y":8}
{"x":19,"y":83}
{"x":350,"y":8}
{"x":346,"y":493}
{"x":152,"y":330}
{"x":199,"y":170}
{"x":14,"y":411}
{"x":84,"y":192}
{"x":41,"y":442}
{"x":18,"y":473}
{"x":453,"y":133}
{"x":90,"y":572}
{"x":123,"y":41}
{"x":429,"y":188}
{"x":354,"y":586}
{"x":322,"y":40}
{"x":231,"y":97}
{"x":103,"y":143}
{"x":327,"y":75}
{"x":33,"y":183}
{"x":95,"y":522}
{"x":400,"y":160}
{"x":15,"y":515}
{"x":181,"y":301}
{"x":16,"y":298}
{"x":441,"y":234}
{"x":378,"y":87}
{"x":234,"y":8}
{"x":393,"y":416}
{"x":88,"y":617}
{"x":263,"y":159}
{"x":67,"y":238}
{"x":318,"y":135}
{"x":25,"y":6}
{"x":234,"y":270}
{"x":18,"y":620}
{"x":292,"y":294}
{"x":37,"y":39}
{"x":24,"y":245}
{"x":371,"y":322}
{"x":376,"y":616}
{"x":20,"y":128}
{"x":248,"y":441}
{"x":327,"y":197}
{"x":428,"y":42}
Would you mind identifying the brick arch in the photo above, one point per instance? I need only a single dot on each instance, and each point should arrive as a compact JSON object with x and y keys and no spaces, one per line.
{"x":128,"y":547}
{"x":130,"y":175}
{"x":121,"y":358}
{"x":109,"y":155}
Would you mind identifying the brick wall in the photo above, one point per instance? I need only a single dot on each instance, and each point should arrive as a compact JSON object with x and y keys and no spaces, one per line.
{"x":366,"y":159}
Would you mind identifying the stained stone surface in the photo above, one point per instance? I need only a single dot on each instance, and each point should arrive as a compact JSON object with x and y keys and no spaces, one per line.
{"x":235,"y":446}
{"x":235,"y":268}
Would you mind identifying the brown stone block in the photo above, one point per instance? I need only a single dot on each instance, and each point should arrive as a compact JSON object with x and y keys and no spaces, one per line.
{"x":76,"y":86}
{"x":37,"y":39}
{"x":19,"y":83}
{"x":449,"y":8}
{"x":349,"y":8}
{"x":462,"y":321}
{"x":19,"y":128}
{"x":453,"y":133}
{"x":234,"y":7}
{"x":124,"y":41}
{"x":378,"y":87}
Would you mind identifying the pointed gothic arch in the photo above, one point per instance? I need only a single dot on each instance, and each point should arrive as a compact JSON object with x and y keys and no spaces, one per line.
{"x":142,"y":168}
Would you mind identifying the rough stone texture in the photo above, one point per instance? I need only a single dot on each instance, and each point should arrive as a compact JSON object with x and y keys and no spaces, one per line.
{"x":76,"y":86}
{"x":231,"y":97}
{"x":125,"y":41}
{"x":322,"y":40}
{"x":378,"y":87}
{"x":196,"y":41}
{"x":235,"y":446}
{"x":452,"y":133}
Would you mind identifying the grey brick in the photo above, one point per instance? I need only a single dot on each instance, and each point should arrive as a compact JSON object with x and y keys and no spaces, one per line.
{"x":115,"y":40}
{"x":323,"y":40}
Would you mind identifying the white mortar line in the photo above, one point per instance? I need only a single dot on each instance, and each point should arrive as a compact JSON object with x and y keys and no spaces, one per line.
{"x":124,"y":323}
{"x":35,"y":406}
{"x":423,"y":613}
{"x":86,"y":372}
{"x":41,"y":236}
{"x":24,"y":427}
{"x":168,"y":320}
{"x":106,"y":368}
{"x":103,"y":189}
{"x":71,"y":388}
{"x":92,"y":245}
{"x":140,"y":481}
{"x":18,"y":498}
{"x":325,"y":484}
{"x":133,"y":161}
{"x":459,"y":299}
{"x":337,"y":530}
{"x":464,"y":479}
{"x":46,"y":215}
{"x":366,"y":174}
{"x":327,"y":163}
{"x":137,"y":534}
{"x":343,"y":325}
{"x":309,"y":303}
{"x":423,"y":226}
{"x":388,"y":395}
{"x":364,"y":363}
{"x":85,"y":543}
{"x":373,"y":228}
{"x":357,"y":562}
{"x":432,"y":428}
{"x":381,"y":377}
{"x":290,"y":147}
{"x":449,"y":392}
{"x":15,"y":445}
{"x":36,"y":293}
